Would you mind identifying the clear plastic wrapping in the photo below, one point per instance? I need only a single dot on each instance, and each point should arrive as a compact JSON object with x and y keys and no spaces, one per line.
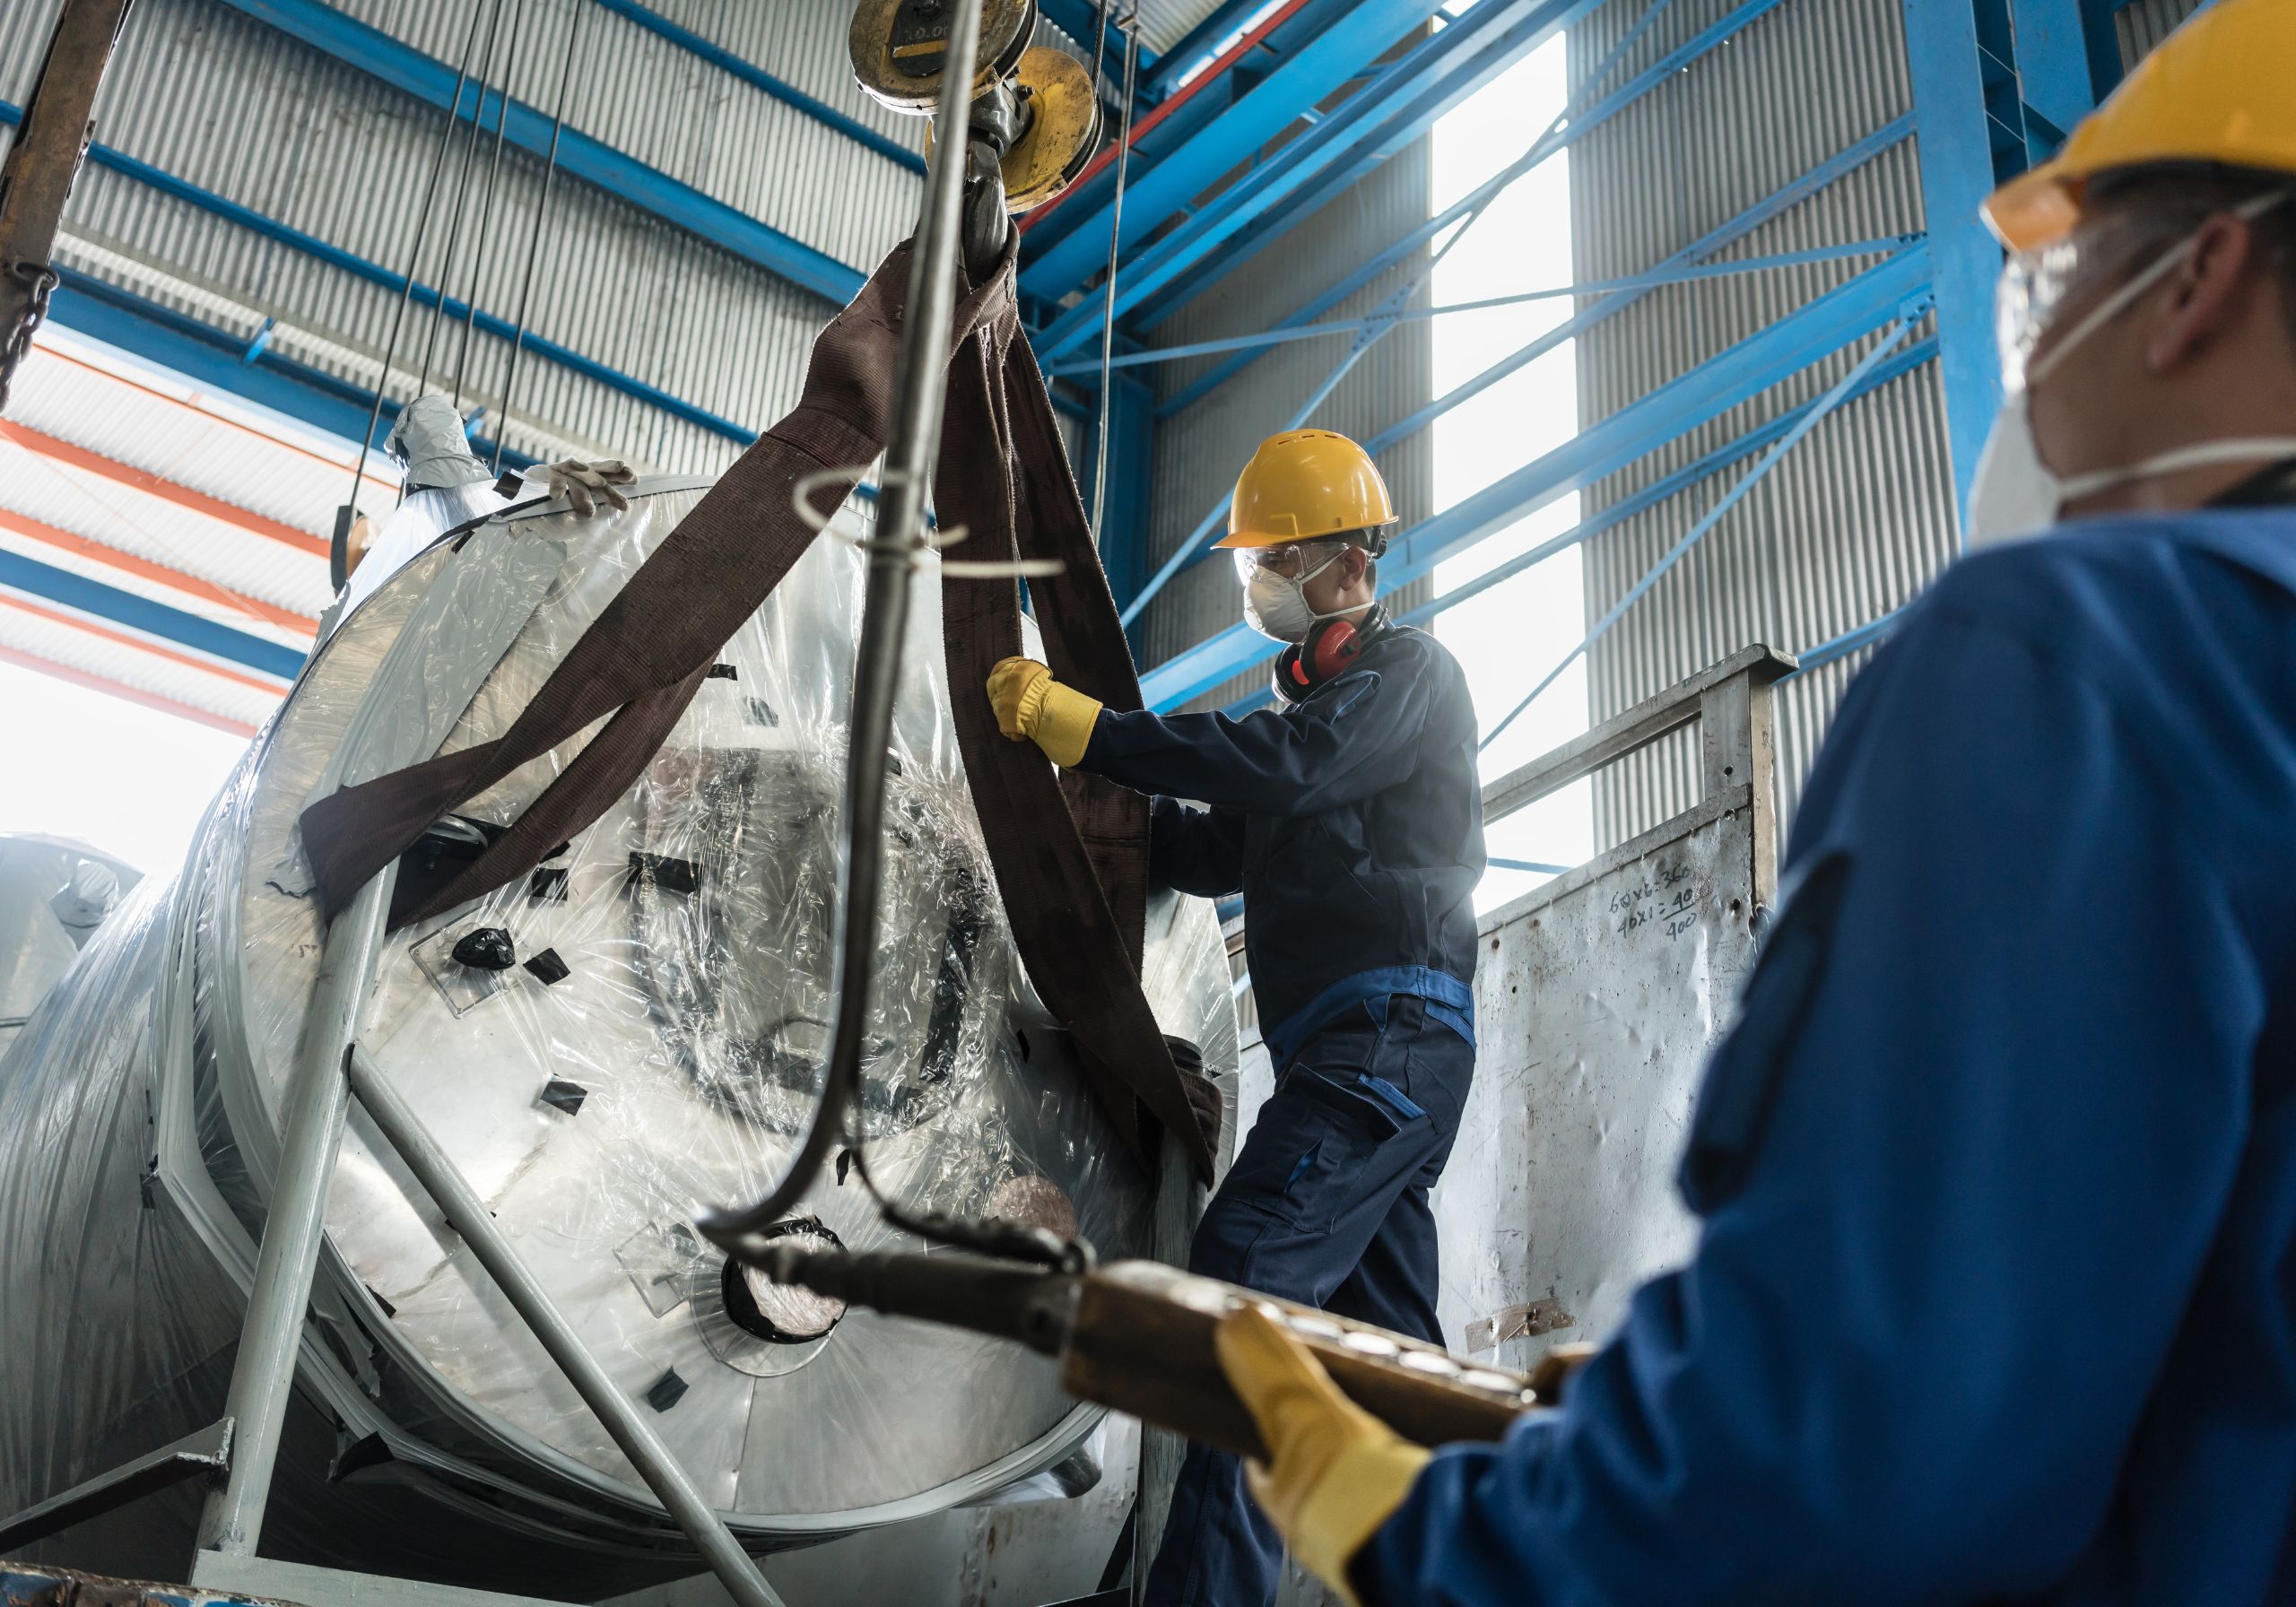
{"x":634,"y":1031}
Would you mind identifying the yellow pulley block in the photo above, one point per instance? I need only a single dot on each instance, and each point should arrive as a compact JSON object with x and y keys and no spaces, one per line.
{"x":1060,"y":127}
{"x":897,"y":46}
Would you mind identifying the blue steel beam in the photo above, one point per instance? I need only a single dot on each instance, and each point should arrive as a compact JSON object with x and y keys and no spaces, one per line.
{"x":1880,"y":295}
{"x":218,"y":359}
{"x":1975,"y":68}
{"x":1080,"y":21}
{"x":405,"y":68}
{"x":1398,"y":105}
{"x":141,"y":613}
{"x":1781,"y":201}
{"x":1199,"y":45}
{"x":758,"y":78}
{"x":1299,"y":208}
{"x":1594,"y":287}
{"x":1661,"y":491}
{"x":374,"y":273}
{"x":1841,"y":391}
{"x":1153,"y":197}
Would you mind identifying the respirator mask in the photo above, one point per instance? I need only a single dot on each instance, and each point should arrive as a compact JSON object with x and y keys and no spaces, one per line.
{"x":2016,"y":493}
{"x":1275,"y":581}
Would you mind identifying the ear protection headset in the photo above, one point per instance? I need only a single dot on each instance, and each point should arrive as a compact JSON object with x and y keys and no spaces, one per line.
{"x":1330,"y":648}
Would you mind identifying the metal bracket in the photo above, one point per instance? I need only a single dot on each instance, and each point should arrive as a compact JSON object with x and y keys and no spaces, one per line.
{"x":204,"y":1455}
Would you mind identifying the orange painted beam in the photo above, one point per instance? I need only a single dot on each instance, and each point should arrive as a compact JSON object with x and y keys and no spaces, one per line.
{"x":129,"y":639}
{"x":143,"y":568}
{"x":73,"y":455}
{"x":114,"y":689}
{"x":58,"y":352}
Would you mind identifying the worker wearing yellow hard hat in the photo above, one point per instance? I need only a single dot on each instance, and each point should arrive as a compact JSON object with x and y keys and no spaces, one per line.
{"x":1349,"y":816}
{"x":1996,"y":1171}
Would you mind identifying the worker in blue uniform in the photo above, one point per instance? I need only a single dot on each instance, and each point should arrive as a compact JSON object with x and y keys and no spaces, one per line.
{"x":1351,"y":818}
{"x":1995,"y":1294}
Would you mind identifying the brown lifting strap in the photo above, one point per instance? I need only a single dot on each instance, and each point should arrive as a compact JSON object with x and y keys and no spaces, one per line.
{"x":1070,"y":852}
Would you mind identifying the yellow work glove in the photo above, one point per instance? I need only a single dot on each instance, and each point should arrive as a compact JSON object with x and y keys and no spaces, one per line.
{"x":1335,"y":1473}
{"x":1033,"y":707}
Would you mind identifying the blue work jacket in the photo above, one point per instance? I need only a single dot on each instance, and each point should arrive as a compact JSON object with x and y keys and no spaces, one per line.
{"x":1350,"y":821}
{"x":1996,"y":1295}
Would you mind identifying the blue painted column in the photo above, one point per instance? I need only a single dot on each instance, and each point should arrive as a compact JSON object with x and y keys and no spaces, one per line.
{"x":1957,"y":174}
{"x":1997,"y":84}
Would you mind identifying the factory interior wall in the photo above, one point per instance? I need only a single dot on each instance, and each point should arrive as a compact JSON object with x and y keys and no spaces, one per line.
{"x":1199,"y":450}
{"x":1858,"y":517}
{"x":211,"y":96}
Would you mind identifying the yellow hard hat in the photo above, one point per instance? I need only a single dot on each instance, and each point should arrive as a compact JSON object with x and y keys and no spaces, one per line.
{"x":2216,"y":90}
{"x":1303,"y":484}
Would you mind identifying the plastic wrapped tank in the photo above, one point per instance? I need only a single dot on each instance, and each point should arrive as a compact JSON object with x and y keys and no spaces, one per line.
{"x":633,"y":1031}
{"x":54,"y":893}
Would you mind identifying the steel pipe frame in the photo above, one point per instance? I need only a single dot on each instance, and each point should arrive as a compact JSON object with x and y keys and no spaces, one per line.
{"x":202,"y":636}
{"x":468,"y":1214}
{"x":1876,"y":297}
{"x":580,"y":155}
{"x":758,"y":78}
{"x":1190,"y":552}
{"x":1298,"y":210}
{"x":1200,"y":44}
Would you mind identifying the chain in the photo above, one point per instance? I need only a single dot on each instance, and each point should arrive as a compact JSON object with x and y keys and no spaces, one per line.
{"x":41,"y":281}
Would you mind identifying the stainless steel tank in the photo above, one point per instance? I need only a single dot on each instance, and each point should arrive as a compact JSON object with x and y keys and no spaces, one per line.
{"x":653,"y":1046}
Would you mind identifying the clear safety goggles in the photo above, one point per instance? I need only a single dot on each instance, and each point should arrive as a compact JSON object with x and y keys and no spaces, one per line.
{"x":2038,"y":288}
{"x":1294,"y":560}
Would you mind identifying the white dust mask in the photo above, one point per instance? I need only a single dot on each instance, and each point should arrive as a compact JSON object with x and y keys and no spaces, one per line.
{"x":1276,"y":606}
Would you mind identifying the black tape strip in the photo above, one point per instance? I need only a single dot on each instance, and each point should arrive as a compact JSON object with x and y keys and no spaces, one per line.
{"x":671,"y":876}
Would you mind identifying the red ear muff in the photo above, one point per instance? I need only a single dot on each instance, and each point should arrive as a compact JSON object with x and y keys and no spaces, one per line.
{"x":1330,"y":647}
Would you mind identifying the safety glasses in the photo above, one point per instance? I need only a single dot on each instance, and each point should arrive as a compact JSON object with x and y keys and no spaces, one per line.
{"x":1293,"y":561}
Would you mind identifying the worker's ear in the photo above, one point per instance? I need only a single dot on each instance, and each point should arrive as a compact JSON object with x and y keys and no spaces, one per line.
{"x":2206,"y":297}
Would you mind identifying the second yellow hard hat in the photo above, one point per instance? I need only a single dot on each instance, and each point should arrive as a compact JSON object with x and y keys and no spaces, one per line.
{"x":2216,"y":90}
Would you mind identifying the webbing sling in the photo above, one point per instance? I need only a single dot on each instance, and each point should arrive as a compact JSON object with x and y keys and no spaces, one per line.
{"x":1073,"y":868}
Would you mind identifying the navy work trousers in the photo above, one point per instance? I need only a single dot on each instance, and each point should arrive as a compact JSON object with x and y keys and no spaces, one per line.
{"x":1326,"y":1205}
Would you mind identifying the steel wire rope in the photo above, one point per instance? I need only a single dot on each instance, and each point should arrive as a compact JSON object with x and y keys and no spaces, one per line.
{"x":1131,"y":26}
{"x":486,"y":212}
{"x":462,"y":196}
{"x":414,"y":263}
{"x":534,"y":242}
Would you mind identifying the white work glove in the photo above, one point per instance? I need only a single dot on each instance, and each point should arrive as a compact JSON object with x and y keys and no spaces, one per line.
{"x":585,"y":485}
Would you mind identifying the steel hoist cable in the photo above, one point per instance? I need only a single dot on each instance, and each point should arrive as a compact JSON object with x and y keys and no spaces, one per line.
{"x":1131,"y":26}
{"x":486,"y":209}
{"x":534,"y":240}
{"x":462,"y":198}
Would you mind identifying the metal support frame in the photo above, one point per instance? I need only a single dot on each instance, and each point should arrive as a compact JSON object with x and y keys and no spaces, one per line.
{"x":1191,"y":552}
{"x":468,"y":1214}
{"x":203,"y":1455}
{"x":1879,"y":296}
{"x":1299,"y":208}
{"x":405,"y":68}
{"x":263,"y":1370}
{"x":1155,"y":196}
{"x":1199,"y":45}
{"x":1996,"y":84}
{"x":1387,"y":114}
